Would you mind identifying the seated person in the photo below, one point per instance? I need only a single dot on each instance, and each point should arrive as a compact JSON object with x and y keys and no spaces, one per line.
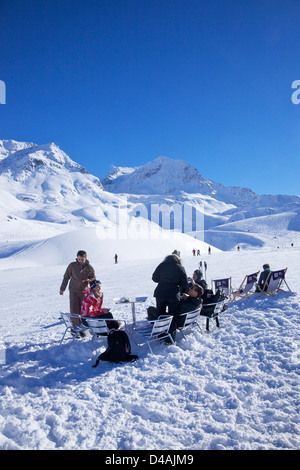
{"x":260,"y":286}
{"x":192,"y":299}
{"x":189,"y":302}
{"x":92,"y":305}
{"x":197,"y":279}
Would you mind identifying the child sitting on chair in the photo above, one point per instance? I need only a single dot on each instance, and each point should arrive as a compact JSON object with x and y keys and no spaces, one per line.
{"x":92,"y":305}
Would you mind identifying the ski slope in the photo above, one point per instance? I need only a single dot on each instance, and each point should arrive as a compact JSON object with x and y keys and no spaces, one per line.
{"x":236,"y":388}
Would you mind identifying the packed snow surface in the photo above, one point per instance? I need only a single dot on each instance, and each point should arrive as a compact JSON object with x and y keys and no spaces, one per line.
{"x":236,"y":387}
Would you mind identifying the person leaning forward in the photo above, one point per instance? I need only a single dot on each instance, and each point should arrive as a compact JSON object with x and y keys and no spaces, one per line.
{"x":171,"y":278}
{"x":79,"y":273}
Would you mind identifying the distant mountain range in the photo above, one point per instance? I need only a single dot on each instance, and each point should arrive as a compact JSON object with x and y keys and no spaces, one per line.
{"x":45,"y":193}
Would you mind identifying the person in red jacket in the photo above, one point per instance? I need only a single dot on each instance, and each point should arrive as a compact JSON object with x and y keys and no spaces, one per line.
{"x":92,"y":304}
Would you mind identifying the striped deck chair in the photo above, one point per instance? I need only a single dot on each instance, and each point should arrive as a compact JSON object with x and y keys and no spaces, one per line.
{"x":246,"y":286}
{"x":274,"y":283}
{"x":223,"y":284}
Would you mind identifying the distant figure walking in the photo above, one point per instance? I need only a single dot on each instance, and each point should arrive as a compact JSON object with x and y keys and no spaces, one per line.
{"x":116,"y":259}
{"x":209,"y":250}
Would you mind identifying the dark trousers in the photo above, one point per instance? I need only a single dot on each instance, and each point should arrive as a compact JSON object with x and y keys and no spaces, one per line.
{"x":163,"y":304}
{"x":76,"y":299}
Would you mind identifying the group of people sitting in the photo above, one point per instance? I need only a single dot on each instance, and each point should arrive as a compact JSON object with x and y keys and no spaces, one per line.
{"x":175,"y":292}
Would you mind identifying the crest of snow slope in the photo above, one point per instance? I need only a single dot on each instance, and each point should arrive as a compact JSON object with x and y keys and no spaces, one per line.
{"x":275,"y":230}
{"x":138,"y":240}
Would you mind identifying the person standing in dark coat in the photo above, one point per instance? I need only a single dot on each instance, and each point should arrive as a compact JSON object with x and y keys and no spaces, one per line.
{"x":171,"y":278}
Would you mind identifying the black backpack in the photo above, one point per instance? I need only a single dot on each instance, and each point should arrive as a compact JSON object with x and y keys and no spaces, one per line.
{"x":118,"y":350}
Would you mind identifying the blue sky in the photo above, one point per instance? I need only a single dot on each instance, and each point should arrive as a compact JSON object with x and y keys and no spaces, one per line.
{"x":121,"y":82}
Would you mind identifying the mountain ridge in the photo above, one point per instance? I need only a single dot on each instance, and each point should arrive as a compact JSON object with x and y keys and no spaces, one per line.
{"x":43,"y":191}
{"x":165,"y":175}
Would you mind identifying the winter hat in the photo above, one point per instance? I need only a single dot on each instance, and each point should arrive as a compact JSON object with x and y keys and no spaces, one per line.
{"x":198,"y":273}
{"x":94,"y":283}
{"x":266,"y":266}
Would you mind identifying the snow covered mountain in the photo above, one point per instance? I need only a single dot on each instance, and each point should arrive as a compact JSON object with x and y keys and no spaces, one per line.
{"x":10,"y":146}
{"x":45,"y":194}
{"x":167,"y":176}
{"x":43,"y":183}
{"x":231,"y":214}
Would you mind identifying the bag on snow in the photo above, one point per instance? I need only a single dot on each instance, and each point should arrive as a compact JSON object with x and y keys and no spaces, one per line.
{"x":118,"y":350}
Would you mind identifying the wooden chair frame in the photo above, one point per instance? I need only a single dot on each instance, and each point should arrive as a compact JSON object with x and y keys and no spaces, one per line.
{"x":273,"y":283}
{"x":248,"y":283}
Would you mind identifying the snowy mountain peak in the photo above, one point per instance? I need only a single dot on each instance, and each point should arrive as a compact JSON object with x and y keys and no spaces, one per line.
{"x":11,"y":146}
{"x":47,"y":158}
{"x":41,"y":182}
{"x":168,"y":176}
{"x":117,"y":172}
{"x":163,"y":175}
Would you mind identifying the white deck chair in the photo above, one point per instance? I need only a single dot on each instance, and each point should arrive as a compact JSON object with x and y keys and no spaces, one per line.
{"x":99,"y":327}
{"x":153,"y":330}
{"x":223,"y":284}
{"x":212,"y":311}
{"x":74,"y":328}
{"x":274,"y":282}
{"x":190,"y":320}
{"x":245,"y":289}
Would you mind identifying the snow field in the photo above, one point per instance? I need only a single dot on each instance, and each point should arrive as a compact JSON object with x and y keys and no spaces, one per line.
{"x":234,"y":388}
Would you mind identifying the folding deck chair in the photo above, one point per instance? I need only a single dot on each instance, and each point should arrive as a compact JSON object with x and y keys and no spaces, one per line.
{"x":189,"y":320}
{"x":153,"y":330}
{"x":212,"y":311}
{"x":74,"y":328}
{"x":274,"y":282}
{"x":246,"y":286}
{"x":223,"y":284}
{"x":101,"y":327}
